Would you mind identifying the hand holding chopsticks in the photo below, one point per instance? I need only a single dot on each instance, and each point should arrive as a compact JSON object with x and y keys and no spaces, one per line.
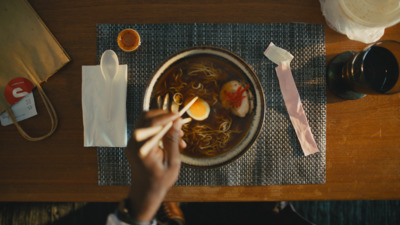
{"x":157,"y":133}
{"x":157,"y":170}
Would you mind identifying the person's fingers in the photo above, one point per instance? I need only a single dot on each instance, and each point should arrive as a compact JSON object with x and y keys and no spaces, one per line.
{"x":154,"y":113}
{"x":171,"y":144}
{"x":155,"y":156}
{"x":155,"y":118}
{"x":163,"y":119}
{"x":145,"y":117}
{"x":182,"y":144}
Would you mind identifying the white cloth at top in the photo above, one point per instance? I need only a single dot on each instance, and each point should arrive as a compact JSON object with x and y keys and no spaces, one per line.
{"x":98,"y":131}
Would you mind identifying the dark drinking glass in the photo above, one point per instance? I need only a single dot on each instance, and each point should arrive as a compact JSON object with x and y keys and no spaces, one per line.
{"x":374,"y":70}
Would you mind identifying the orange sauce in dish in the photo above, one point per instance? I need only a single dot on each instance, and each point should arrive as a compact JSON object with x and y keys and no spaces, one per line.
{"x":128,"y":40}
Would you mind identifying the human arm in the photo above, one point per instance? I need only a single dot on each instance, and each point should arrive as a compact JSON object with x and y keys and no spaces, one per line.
{"x":154,"y":174}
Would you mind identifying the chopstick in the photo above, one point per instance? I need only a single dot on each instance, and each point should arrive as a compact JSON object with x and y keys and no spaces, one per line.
{"x":142,"y":134}
{"x":145,"y":149}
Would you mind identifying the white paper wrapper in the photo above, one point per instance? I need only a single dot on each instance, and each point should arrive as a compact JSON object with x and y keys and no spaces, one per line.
{"x":292,"y":98}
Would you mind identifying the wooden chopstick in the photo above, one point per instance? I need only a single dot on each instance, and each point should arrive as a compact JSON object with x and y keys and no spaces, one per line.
{"x":145,"y":149}
{"x":142,"y":134}
{"x":184,"y":109}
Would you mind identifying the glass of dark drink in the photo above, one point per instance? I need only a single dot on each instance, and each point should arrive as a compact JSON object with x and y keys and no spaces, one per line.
{"x":374,"y":70}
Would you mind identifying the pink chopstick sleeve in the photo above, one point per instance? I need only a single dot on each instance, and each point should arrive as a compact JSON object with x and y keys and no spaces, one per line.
{"x":295,"y":109}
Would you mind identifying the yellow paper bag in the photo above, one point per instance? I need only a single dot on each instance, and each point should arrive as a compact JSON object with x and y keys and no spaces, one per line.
{"x":29,"y":55}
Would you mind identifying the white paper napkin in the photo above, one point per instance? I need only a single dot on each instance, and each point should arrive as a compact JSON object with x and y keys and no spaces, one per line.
{"x":98,"y":131}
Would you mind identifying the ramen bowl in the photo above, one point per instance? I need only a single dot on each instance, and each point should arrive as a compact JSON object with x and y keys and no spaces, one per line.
{"x":211,"y":73}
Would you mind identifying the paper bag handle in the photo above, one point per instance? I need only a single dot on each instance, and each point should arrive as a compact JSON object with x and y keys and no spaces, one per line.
{"x":50,"y":110}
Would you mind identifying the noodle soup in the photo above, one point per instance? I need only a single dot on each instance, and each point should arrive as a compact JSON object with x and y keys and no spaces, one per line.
{"x":204,"y":75}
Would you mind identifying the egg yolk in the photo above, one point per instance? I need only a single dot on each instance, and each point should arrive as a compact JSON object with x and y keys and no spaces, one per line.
{"x":199,"y":110}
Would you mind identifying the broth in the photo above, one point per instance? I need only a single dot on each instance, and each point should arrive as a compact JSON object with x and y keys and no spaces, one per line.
{"x":204,"y":75}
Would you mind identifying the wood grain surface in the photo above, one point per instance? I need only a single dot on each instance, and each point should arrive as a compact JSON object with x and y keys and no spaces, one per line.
{"x":363,"y":138}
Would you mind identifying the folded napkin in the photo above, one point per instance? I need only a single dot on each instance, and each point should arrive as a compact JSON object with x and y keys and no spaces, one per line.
{"x":98,"y":130}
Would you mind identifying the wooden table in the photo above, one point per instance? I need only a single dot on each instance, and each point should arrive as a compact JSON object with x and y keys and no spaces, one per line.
{"x":363,"y":136}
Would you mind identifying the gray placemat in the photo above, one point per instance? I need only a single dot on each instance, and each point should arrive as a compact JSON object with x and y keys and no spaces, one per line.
{"x":276,"y":157}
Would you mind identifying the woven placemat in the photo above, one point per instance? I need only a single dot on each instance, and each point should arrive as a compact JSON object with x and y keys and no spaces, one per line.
{"x":276,"y":157}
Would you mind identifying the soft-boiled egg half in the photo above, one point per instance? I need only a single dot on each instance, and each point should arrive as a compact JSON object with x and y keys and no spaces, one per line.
{"x":199,"y":110}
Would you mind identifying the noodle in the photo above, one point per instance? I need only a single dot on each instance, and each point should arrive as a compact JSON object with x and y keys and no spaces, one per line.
{"x":177,"y":84}
{"x":209,"y":72}
{"x":209,"y":140}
